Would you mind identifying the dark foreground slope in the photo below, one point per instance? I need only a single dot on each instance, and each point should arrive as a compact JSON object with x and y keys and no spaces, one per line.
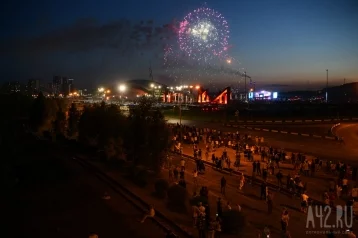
{"x":47,"y":195}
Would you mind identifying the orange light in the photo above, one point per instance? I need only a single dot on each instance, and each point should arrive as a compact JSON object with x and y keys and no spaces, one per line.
{"x":197,"y":86}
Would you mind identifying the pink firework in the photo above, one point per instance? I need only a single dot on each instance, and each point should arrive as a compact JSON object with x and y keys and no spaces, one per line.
{"x":203,"y":35}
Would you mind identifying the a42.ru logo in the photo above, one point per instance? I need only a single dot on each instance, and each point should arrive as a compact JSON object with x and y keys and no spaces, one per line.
{"x":325,"y":217}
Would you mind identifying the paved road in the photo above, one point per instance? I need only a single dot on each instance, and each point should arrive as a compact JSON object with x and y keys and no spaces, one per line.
{"x":321,"y":148}
{"x":249,"y":199}
{"x":58,"y":198}
{"x":349,"y":132}
{"x":315,"y":185}
{"x":307,"y":129}
{"x":262,"y":122}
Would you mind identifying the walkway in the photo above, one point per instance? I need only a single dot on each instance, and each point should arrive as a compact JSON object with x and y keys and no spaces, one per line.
{"x":315,"y":185}
{"x":249,"y":199}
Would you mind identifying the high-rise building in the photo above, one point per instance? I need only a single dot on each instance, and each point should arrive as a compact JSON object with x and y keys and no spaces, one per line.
{"x":71,"y":87}
{"x":62,"y":85}
{"x":11,"y":87}
{"x":56,"y":85}
{"x":49,"y":88}
{"x":33,"y":86}
{"x":15,"y":87}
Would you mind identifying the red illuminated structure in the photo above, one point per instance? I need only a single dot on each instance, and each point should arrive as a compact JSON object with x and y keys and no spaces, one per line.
{"x":224,"y":97}
{"x":179,"y":94}
{"x":203,"y":96}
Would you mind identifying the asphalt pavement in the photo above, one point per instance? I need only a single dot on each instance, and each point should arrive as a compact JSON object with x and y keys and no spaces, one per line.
{"x":321,"y":148}
{"x":316,"y":185}
{"x":349,"y":132}
{"x":324,"y":130}
{"x":252,"y":206}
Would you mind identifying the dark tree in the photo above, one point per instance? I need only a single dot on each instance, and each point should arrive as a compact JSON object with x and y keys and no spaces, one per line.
{"x":73,"y":120}
{"x":39,"y":112}
{"x":104,"y":127}
{"x":59,"y":124}
{"x":148,"y":135}
{"x":16,"y":108}
{"x":143,"y":137}
{"x":87,"y":126}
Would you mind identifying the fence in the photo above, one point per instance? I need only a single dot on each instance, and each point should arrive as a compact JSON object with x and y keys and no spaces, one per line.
{"x":297,"y":121}
{"x":282,"y":132}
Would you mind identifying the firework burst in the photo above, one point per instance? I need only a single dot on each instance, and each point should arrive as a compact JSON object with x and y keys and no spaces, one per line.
{"x":201,"y":49}
{"x":203,"y":35}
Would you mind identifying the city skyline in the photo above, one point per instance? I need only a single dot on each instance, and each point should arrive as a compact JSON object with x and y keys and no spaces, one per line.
{"x":285,"y":45}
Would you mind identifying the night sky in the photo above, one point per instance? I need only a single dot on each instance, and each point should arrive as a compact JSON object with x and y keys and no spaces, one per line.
{"x":281,"y":44}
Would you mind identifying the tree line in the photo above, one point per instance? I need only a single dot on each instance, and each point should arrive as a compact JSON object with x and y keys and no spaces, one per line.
{"x":141,"y":137}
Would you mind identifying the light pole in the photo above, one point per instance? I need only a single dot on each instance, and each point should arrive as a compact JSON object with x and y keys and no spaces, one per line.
{"x":122,"y":88}
{"x":180,"y":101}
{"x":180,"y":115}
{"x":327,"y":87}
{"x":152,"y":87}
{"x":245,"y":88}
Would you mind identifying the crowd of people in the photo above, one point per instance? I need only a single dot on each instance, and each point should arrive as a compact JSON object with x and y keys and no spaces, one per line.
{"x":340,"y":186}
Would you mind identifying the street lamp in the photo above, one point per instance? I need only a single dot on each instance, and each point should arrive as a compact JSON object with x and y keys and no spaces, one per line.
{"x":245,"y":89}
{"x":122,"y":88}
{"x":327,"y":87}
{"x":152,"y":86}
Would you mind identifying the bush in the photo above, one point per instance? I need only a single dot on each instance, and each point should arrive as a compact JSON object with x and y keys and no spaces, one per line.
{"x":177,"y":198}
{"x":141,"y":179}
{"x":161,"y":187}
{"x":133,"y":171}
{"x":47,"y":135}
{"x":233,"y":222}
{"x":138,"y":175}
{"x":198,"y":199}
{"x":119,"y":163}
{"x":60,"y":138}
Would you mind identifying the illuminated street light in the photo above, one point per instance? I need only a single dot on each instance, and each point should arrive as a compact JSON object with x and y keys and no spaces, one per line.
{"x":152,"y":85}
{"x":122,"y":88}
{"x":197,"y":86}
{"x":228,"y":61}
{"x":100,"y":90}
{"x":108,"y":91}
